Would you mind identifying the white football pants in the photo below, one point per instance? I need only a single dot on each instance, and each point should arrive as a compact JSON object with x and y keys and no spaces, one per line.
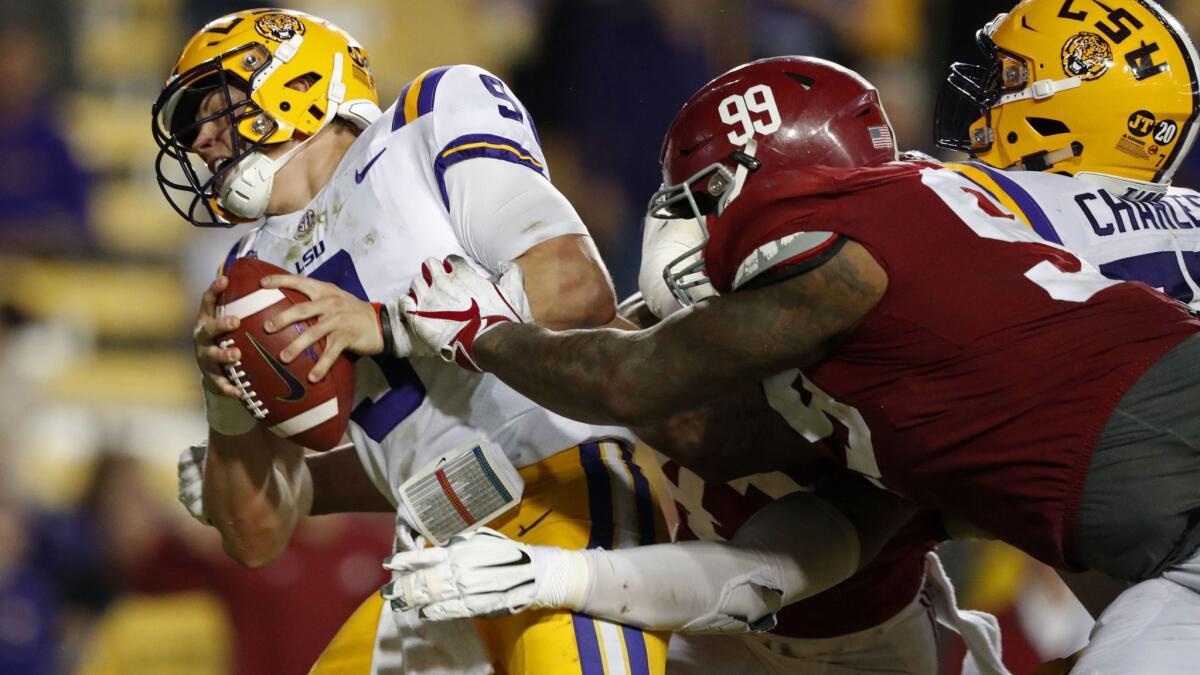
{"x":1153,"y":627}
{"x":905,"y":644}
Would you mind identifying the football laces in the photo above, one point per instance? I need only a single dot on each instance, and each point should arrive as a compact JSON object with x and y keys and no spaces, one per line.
{"x":238,"y":376}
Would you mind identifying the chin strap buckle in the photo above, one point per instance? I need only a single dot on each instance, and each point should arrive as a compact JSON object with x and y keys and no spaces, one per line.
{"x":1041,"y":90}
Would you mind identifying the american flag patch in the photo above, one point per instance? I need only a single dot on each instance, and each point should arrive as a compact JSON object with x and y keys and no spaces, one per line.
{"x":881,"y":136}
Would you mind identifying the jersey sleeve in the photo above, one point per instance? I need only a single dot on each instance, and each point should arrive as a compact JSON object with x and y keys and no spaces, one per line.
{"x":476,"y":115}
{"x":761,"y":239}
{"x":500,"y":210}
{"x":504,"y":203}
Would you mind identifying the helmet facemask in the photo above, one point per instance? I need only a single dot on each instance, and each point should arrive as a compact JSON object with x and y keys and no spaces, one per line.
{"x":973,"y":91}
{"x":706,"y":193}
{"x":969,"y":93}
{"x":176,"y":124}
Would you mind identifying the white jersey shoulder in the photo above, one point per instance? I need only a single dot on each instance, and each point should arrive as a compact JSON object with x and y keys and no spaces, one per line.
{"x":1155,"y":242}
{"x":369,"y":229}
{"x":463,"y":112}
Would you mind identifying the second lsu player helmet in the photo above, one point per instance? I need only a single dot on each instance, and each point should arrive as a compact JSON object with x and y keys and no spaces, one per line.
{"x":777,"y":113}
{"x":296,"y":72}
{"x":1102,"y":90}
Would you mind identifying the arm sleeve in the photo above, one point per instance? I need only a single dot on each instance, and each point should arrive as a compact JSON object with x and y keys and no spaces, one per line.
{"x":790,"y":549}
{"x":499,"y":210}
{"x":489,"y":166}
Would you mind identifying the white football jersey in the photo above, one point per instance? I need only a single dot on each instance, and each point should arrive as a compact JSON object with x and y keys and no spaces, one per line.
{"x":1155,"y":242}
{"x":396,"y":199}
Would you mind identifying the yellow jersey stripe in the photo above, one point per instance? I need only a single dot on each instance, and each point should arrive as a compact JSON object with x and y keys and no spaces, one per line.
{"x":410,"y":99}
{"x":977,"y":176}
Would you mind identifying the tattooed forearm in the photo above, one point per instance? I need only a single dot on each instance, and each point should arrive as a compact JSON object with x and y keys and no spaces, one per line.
{"x":732,"y":437}
{"x":629,"y":378}
{"x":569,"y":372}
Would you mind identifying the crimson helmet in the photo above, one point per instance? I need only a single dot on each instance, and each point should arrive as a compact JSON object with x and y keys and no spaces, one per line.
{"x":773,"y":114}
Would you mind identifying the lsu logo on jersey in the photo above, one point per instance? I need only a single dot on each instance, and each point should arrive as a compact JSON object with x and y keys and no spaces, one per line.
{"x":310,"y":256}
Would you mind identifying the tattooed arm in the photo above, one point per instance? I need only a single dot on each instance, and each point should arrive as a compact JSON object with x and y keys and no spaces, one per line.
{"x":734,"y":436}
{"x":634,"y":378}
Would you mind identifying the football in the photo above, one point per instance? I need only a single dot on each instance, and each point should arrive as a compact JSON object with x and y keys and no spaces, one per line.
{"x":279,"y":394}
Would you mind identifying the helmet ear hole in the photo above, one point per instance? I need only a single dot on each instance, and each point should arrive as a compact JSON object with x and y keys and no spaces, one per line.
{"x":1047,"y":127}
{"x":303,"y":82}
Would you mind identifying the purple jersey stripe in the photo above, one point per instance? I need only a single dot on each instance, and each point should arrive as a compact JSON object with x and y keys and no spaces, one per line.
{"x":635,"y":648}
{"x":1033,"y":211}
{"x":642,"y":497}
{"x":480,"y":145}
{"x":600,"y":504}
{"x":590,"y":662}
{"x":398,"y":116}
{"x":429,"y":85}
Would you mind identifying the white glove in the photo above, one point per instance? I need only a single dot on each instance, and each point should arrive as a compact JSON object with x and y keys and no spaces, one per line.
{"x":191,"y":481}
{"x":404,"y":343}
{"x":450,"y":305}
{"x":483,"y":573}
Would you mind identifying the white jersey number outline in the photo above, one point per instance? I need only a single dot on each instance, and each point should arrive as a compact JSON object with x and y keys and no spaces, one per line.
{"x":963,"y":197}
{"x":814,"y":420}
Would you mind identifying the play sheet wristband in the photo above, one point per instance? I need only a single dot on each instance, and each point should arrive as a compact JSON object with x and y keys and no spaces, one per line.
{"x":460,"y":491}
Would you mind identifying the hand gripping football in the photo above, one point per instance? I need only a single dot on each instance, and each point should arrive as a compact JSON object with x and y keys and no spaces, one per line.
{"x":278,"y":394}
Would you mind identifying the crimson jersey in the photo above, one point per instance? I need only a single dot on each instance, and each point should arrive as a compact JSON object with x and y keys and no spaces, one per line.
{"x":876,"y":593}
{"x":981,"y":381}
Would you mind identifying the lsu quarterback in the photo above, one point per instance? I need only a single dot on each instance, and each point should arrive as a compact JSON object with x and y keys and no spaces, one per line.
{"x":271,"y":116}
{"x":1093,"y":169}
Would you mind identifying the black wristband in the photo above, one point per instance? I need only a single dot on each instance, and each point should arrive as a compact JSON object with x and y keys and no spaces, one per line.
{"x":385,"y":326}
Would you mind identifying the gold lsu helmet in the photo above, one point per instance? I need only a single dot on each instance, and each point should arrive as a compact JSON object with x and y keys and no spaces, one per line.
{"x":1102,"y":90}
{"x":298,"y":73}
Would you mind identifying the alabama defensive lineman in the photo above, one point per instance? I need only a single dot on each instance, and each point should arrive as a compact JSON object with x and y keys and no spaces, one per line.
{"x":271,"y":116}
{"x":882,"y":619}
{"x":970,"y":366}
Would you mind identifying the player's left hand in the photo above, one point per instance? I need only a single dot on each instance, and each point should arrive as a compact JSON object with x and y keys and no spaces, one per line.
{"x":450,"y":305}
{"x":347,"y":323}
{"x":483,"y":573}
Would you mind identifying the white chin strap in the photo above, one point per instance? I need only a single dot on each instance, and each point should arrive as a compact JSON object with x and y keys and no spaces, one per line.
{"x":247,"y":189}
{"x":739,"y":178}
{"x":1041,"y":90}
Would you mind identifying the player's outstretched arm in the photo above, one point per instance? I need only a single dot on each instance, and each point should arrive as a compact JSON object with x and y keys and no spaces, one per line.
{"x":698,"y":586}
{"x":630,"y":378}
{"x":736,"y":435}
